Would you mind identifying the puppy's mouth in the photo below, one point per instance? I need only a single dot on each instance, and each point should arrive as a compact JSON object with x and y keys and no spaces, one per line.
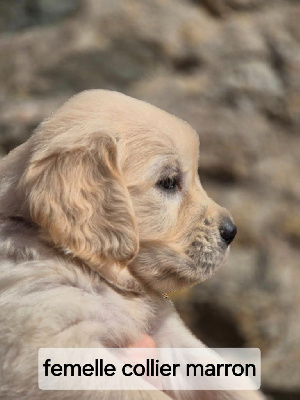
{"x":207,"y":258}
{"x":165,"y":268}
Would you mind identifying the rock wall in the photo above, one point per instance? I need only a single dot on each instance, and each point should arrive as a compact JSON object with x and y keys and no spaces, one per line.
{"x":231,"y":68}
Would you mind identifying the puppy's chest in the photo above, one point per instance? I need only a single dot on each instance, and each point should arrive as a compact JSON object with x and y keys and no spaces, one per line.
{"x":128,"y":318}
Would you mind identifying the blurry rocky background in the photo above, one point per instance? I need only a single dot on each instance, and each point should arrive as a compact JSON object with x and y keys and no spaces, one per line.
{"x":231,"y":68}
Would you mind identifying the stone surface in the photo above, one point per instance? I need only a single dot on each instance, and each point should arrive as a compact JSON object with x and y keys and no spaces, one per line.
{"x":230,"y":68}
{"x":23,"y":14}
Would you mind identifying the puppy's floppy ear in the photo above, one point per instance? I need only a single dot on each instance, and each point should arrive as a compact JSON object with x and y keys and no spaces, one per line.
{"x":75,"y":193}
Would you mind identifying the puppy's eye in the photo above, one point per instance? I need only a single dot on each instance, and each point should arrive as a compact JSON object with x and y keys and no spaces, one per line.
{"x":169,"y":184}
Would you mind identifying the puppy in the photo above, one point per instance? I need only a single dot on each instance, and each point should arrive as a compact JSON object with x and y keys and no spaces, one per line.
{"x":102,"y":210}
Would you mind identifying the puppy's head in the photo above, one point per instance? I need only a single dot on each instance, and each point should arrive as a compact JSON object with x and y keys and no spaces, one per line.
{"x":113,"y":181}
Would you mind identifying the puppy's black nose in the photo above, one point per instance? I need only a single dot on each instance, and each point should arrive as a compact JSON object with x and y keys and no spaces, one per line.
{"x":227,"y":231}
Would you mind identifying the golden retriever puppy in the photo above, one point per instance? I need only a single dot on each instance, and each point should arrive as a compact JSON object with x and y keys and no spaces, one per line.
{"x":102,"y":210}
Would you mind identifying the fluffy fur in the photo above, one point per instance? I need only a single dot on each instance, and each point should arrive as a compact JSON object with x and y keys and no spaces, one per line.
{"x":90,"y":238}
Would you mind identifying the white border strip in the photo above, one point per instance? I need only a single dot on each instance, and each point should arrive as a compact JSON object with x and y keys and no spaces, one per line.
{"x":149,"y":369}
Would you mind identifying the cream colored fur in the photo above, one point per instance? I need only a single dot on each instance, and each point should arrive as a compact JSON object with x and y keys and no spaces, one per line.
{"x":89,"y":239}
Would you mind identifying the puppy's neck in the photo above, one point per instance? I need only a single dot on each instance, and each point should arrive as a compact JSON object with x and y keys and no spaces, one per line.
{"x":19,"y":240}
{"x":122,"y":281}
